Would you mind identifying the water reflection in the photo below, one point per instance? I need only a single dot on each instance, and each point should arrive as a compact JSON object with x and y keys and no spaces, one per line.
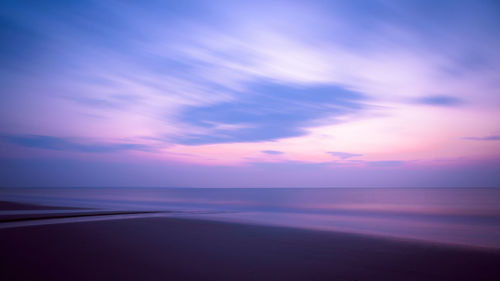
{"x":459,"y":216}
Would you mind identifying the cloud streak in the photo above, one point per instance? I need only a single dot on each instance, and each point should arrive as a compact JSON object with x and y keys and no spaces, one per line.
{"x":344,"y":155}
{"x":268,"y":112}
{"x":272,"y":152}
{"x":440,"y":100}
{"x":486,"y":138}
{"x":384,"y":163}
{"x":64,"y":144}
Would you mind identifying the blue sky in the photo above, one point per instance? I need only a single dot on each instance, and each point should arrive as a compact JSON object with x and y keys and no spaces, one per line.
{"x":388,"y":87}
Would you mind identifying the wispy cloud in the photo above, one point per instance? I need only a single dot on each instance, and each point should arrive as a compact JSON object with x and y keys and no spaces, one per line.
{"x":486,"y":138}
{"x":384,"y":163}
{"x":63,"y":144}
{"x":272,"y":152}
{"x":440,"y":100}
{"x":344,"y":155}
{"x":268,"y":112}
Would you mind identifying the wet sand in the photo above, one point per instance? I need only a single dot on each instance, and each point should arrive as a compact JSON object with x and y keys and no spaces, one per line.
{"x":9,"y":206}
{"x":184,"y":249}
{"x":62,"y":215}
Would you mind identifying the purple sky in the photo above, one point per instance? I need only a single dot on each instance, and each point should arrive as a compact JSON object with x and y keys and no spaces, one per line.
{"x":257,"y":94}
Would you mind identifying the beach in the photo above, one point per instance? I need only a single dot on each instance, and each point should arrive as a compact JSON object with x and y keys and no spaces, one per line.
{"x":250,"y":140}
{"x":159,"y":248}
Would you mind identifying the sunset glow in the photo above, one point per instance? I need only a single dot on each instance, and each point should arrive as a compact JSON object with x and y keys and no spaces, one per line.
{"x":394,"y":89}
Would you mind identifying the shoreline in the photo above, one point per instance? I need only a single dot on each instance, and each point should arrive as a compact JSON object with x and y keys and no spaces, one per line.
{"x":191,"y":249}
{"x":56,"y":215}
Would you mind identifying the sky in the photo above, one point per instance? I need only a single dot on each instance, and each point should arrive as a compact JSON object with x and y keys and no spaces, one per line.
{"x":250,"y":93}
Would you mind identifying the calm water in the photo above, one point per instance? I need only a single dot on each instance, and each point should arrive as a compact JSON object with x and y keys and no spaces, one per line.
{"x":466,"y":216}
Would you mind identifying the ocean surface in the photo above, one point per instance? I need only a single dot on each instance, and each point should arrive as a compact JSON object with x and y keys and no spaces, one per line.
{"x":459,"y":216}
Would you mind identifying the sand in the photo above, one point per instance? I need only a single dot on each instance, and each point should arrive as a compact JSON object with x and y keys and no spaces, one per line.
{"x":184,"y":249}
{"x":9,"y":206}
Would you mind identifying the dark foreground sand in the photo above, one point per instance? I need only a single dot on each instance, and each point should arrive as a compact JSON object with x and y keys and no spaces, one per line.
{"x":182,"y":249}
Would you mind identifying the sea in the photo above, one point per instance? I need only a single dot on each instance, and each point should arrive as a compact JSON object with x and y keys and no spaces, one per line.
{"x":467,"y":217}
